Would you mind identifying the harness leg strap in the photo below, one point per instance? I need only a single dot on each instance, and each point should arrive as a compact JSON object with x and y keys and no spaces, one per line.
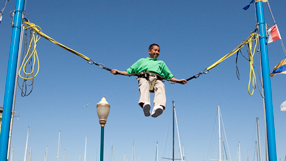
{"x":152,"y":84}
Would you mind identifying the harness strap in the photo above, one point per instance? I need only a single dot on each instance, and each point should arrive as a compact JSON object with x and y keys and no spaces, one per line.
{"x":152,"y":84}
{"x":146,"y":74}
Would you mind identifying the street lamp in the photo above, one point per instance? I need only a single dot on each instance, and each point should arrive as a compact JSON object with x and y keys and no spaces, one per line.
{"x":102,"y":111}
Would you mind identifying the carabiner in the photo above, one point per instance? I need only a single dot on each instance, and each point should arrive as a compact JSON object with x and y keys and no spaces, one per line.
{"x":205,"y":71}
{"x":100,"y":65}
{"x":91,"y":62}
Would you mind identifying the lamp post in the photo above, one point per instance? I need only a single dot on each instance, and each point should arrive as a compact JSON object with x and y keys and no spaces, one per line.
{"x":103,"y":108}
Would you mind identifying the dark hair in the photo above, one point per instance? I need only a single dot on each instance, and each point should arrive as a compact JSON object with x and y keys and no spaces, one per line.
{"x":151,"y":46}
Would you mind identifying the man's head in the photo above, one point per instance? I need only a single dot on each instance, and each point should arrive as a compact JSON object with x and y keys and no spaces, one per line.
{"x":154,"y":50}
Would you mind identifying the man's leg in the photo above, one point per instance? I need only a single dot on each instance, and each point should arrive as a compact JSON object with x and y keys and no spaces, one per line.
{"x":144,"y":91}
{"x":159,"y":99}
{"x":144,"y":100}
{"x":160,"y":94}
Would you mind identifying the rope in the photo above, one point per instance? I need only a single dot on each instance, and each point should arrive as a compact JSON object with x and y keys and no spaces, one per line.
{"x":281,"y":41}
{"x":24,"y":85}
{"x":179,"y":139}
{"x":39,"y":31}
{"x":1,"y":12}
{"x":205,"y":71}
{"x":252,"y":77}
{"x":235,"y":50}
{"x":30,"y":58}
{"x":253,"y":37}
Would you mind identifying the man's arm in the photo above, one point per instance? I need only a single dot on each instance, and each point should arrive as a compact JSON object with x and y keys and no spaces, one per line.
{"x":132,"y":69}
{"x":115,"y":72}
{"x":181,"y":81}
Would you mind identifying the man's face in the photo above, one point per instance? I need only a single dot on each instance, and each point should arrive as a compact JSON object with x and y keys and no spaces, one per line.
{"x":154,"y":52}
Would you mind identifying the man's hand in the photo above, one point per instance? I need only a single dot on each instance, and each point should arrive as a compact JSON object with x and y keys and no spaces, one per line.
{"x":114,"y":71}
{"x":183,"y":81}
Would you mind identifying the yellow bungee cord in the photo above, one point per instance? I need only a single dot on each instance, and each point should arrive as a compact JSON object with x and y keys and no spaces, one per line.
{"x":252,"y":77}
{"x":39,"y":31}
{"x":31,"y":56}
{"x":233,"y":51}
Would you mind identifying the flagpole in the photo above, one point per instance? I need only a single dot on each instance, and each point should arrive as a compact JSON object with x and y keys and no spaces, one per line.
{"x":266,"y":81}
{"x":10,"y":79}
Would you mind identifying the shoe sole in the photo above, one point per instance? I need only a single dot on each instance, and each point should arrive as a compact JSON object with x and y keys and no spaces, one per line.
{"x":158,"y":112}
{"x":146,"y":110}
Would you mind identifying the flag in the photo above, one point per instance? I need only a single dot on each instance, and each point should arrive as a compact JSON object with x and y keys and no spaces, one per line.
{"x":280,"y":68}
{"x":283,"y":106}
{"x":273,"y":34}
{"x":246,"y":7}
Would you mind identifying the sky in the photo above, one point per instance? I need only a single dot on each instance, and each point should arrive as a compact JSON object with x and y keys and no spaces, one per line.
{"x":192,"y":35}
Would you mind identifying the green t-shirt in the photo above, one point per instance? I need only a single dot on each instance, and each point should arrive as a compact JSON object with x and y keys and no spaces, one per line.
{"x":152,"y":65}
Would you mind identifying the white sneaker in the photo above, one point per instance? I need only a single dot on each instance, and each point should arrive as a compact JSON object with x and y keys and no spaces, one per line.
{"x":157,"y":111}
{"x":146,"y":109}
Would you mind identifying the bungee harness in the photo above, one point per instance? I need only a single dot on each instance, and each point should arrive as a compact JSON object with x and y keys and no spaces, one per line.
{"x":147,"y":74}
{"x":144,"y":74}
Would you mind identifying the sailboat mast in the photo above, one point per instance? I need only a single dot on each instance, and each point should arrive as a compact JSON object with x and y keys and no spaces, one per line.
{"x":25,"y":155}
{"x":157,"y":159}
{"x":59,"y":146}
{"x":183,"y":152}
{"x":133,"y":152}
{"x":30,"y":155}
{"x":12,"y":155}
{"x":85,"y":149}
{"x":46,"y":154}
{"x":258,"y":137}
{"x":111,"y":153}
{"x":219,"y":135}
{"x":238,"y":151}
{"x":256,"y":150}
{"x":173,"y":154}
{"x":64,"y":158}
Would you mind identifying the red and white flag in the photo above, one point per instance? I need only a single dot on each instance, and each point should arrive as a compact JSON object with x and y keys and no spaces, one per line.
{"x":273,"y":34}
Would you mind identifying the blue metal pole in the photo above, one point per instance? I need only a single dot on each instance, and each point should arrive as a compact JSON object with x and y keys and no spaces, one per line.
{"x":102,"y":143}
{"x":10,"y":79}
{"x":266,"y":82}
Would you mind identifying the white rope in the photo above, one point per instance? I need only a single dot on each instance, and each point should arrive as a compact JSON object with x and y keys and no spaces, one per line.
{"x":166,"y":138}
{"x":182,"y":159}
{"x":225,"y":136}
{"x":281,"y":41}
{"x":3,"y":7}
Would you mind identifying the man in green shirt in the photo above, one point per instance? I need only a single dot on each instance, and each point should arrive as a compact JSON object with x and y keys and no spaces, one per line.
{"x":155,"y":69}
